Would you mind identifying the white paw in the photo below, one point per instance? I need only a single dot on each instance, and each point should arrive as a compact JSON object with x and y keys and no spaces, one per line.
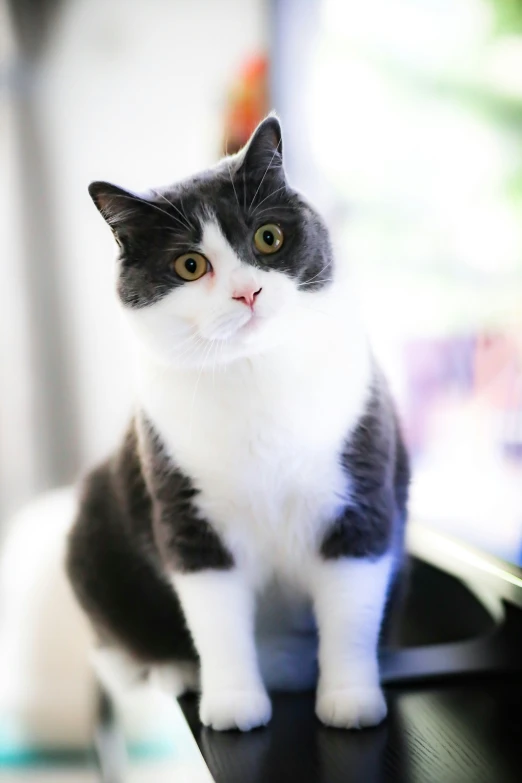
{"x":243,"y":710}
{"x":351,"y":708}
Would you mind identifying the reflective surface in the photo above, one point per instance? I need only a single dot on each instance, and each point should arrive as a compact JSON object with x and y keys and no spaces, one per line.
{"x":466,"y":729}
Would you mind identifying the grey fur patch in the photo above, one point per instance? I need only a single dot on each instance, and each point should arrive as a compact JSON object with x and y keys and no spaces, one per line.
{"x":185,"y":540}
{"x":114,"y":564}
{"x":136,"y":522}
{"x":376,"y":460}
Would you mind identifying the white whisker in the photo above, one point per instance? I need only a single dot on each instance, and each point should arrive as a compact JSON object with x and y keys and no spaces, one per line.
{"x":264,"y":175}
{"x":311,"y":282}
{"x":275,"y":210}
{"x":196,"y":387}
{"x":184,"y":221}
{"x":187,"y":338}
{"x":267,"y":197}
{"x":222,"y":351}
{"x":216,"y":352}
{"x":194,"y":344}
{"x":187,"y":344}
{"x":184,"y":212}
{"x":232,"y":181}
{"x":307,"y":282}
{"x":148,"y":203}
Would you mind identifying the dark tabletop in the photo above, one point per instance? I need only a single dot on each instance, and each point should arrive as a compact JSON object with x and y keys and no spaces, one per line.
{"x":465,"y":729}
{"x":469,"y":732}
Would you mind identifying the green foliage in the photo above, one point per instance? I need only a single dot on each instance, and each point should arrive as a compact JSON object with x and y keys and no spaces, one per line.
{"x":508,"y":16}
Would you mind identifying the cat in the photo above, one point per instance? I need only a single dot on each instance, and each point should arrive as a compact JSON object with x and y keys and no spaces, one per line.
{"x":248,"y":531}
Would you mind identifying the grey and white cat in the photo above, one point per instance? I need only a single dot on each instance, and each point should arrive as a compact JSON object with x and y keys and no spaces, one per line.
{"x":247,"y":533}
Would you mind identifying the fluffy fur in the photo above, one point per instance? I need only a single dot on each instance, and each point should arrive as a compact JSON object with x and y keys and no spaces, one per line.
{"x":252,"y":522}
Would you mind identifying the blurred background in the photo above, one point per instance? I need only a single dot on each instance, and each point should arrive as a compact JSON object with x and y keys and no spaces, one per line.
{"x":403,"y":121}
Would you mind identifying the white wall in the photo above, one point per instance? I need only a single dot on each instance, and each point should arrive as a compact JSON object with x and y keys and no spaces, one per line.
{"x":132,"y":91}
{"x":17,"y":453}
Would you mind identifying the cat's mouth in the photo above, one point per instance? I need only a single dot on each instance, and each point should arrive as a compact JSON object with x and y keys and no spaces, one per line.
{"x":228,"y":330}
{"x":252,"y":325}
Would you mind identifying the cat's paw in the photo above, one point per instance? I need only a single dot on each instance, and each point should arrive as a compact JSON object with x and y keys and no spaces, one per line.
{"x":351,"y":708}
{"x":229,"y":709}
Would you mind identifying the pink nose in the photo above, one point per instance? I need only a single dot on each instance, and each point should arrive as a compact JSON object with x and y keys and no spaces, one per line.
{"x":246,"y":295}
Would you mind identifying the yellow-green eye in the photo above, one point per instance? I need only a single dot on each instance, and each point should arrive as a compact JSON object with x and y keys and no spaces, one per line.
{"x":191,"y":266}
{"x":268,"y":239}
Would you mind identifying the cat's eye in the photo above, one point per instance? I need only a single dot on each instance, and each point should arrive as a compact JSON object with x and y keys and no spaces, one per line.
{"x":191,"y":266}
{"x":268,"y":239}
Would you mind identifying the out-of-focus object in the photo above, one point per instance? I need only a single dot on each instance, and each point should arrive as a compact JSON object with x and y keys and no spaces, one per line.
{"x":422,"y":149}
{"x":47,"y":688}
{"x":247,"y":104}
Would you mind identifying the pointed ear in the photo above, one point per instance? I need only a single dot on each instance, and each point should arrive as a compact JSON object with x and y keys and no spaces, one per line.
{"x":118,"y":207}
{"x":265,"y":146}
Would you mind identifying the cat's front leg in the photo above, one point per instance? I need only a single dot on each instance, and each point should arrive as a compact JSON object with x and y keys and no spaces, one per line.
{"x":219,"y":609}
{"x":349,"y":596}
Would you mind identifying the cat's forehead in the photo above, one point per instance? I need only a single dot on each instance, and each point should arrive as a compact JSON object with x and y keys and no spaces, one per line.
{"x":224,"y":198}
{"x":227,"y":189}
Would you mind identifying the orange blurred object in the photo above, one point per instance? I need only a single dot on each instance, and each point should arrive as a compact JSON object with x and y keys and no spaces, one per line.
{"x":247,"y":103}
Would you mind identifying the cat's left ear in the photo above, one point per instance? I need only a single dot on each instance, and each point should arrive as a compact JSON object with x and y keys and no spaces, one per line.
{"x":264,"y":149}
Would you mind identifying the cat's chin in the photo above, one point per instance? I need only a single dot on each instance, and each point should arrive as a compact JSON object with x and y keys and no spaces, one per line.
{"x":207,"y":352}
{"x":252,"y":327}
{"x":236,"y":350}
{"x":206,"y":348}
{"x":226,"y":353}
{"x":235,"y":334}
{"x":247,"y":345}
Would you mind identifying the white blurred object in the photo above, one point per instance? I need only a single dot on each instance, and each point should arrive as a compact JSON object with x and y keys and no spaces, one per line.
{"x":47,"y":689}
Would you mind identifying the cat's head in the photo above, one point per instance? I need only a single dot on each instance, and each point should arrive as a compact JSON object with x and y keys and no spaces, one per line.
{"x":216,"y":267}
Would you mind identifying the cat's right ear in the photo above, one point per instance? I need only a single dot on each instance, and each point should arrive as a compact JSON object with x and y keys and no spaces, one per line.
{"x":117,"y":206}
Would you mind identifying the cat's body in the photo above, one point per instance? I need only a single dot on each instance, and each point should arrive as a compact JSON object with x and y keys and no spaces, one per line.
{"x":252,"y":522}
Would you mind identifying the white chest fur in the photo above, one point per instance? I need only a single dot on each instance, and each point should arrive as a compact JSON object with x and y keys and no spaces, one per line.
{"x":261,"y":441}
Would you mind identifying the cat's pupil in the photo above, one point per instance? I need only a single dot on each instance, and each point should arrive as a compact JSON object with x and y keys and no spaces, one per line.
{"x":268,"y":238}
{"x":191,"y":266}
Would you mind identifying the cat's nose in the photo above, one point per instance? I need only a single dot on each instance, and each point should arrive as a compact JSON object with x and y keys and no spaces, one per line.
{"x":246,"y":295}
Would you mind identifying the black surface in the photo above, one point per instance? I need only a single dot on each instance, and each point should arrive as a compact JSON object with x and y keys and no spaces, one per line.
{"x":444,"y":631}
{"x":462,"y":729}
{"x":465,"y":733}
{"x":438,"y":608}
